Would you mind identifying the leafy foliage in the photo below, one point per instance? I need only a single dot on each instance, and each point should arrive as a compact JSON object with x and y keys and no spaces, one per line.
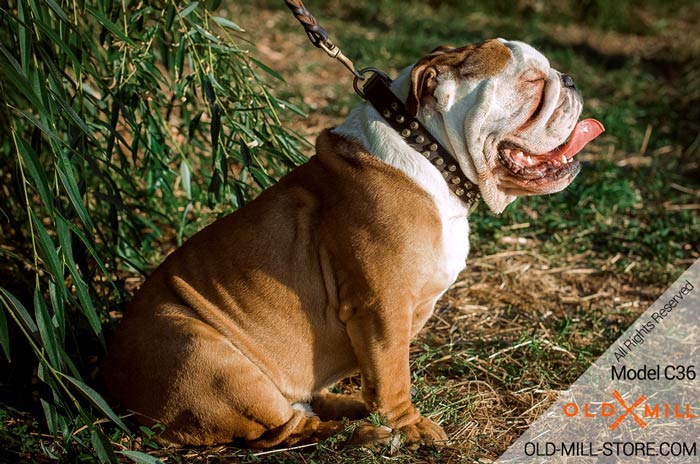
{"x":119,"y":120}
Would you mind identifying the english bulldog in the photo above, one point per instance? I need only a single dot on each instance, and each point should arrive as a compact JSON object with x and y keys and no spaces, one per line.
{"x":238,"y":334}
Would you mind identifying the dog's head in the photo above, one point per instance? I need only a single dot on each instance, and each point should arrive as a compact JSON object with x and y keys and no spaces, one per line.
{"x":508,"y":117}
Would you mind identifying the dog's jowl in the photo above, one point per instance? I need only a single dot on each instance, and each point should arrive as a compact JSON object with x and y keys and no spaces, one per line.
{"x":237,"y":335}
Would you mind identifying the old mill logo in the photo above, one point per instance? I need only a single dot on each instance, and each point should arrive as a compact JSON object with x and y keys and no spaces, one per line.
{"x":622,"y":410}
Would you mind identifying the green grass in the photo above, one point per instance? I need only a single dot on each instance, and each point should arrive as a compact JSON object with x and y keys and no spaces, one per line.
{"x":91,"y":199}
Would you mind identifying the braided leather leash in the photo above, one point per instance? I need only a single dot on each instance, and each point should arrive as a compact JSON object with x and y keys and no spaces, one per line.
{"x":318,"y":35}
{"x":377,"y":91}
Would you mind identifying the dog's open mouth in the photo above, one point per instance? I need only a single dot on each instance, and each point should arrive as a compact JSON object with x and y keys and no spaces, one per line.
{"x":553,"y":165}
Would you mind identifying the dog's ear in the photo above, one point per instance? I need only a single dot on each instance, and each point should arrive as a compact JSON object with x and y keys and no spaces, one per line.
{"x":473,"y":61}
{"x":423,"y":79}
{"x":423,"y":83}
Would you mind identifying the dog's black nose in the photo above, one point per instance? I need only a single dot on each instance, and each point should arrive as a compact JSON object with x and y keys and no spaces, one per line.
{"x":568,"y":81}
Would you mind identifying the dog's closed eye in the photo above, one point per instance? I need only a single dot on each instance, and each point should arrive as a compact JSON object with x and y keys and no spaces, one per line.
{"x":533,"y":76}
{"x":537,"y":106}
{"x":532,"y":83}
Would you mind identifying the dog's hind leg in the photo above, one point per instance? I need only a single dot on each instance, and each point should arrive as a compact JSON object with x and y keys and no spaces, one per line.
{"x":238,"y":401}
{"x":213,"y":393}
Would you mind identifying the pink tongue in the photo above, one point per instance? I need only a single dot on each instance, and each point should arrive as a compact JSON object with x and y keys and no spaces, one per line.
{"x":585,"y":131}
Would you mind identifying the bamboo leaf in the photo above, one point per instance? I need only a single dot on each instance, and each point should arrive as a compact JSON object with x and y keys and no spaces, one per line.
{"x":267,"y":69}
{"x":86,"y":305}
{"x":214,"y":187}
{"x":282,"y":104}
{"x":46,"y":329}
{"x":67,"y":177}
{"x":245,"y":153}
{"x":204,"y":33}
{"x":260,"y":176}
{"x":189,"y":9}
{"x":71,"y":366}
{"x":57,"y":294}
{"x":50,"y":410}
{"x":215,"y":129}
{"x":36,"y":171}
{"x":186,"y":177}
{"x":183,"y":222}
{"x":48,"y":249}
{"x":96,"y":400}
{"x":51,"y":35}
{"x":15,"y":76}
{"x":70,"y":112}
{"x":24,"y":44}
{"x":109,"y":25}
{"x":64,"y":238}
{"x":180,"y":59}
{"x":169,"y":17}
{"x":11,"y":303}
{"x":4,"y":335}
{"x":47,"y":131}
{"x":227,"y":23}
{"x":240,"y":197}
{"x":140,"y":457}
{"x":102,"y":446}
{"x":59,"y":12}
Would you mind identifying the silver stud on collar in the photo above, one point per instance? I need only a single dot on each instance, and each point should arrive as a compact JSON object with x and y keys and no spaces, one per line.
{"x":419,"y":138}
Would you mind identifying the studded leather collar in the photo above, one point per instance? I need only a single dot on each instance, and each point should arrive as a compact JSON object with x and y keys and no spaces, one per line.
{"x":378,"y":92}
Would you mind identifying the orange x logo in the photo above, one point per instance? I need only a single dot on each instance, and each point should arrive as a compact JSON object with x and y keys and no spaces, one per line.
{"x":628,"y":410}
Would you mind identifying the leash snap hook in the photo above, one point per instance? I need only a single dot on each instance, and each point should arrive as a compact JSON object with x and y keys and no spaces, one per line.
{"x":334,"y":51}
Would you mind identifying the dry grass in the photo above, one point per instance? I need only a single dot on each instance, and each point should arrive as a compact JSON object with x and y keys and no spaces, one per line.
{"x":522,"y":326}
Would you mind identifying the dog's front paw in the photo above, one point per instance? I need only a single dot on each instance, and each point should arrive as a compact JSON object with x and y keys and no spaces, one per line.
{"x":422,"y":431}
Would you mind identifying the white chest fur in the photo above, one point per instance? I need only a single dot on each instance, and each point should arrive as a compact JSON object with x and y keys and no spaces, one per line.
{"x":367,"y":127}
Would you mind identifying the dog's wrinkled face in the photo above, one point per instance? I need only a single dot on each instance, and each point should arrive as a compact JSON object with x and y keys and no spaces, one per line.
{"x":508,"y":117}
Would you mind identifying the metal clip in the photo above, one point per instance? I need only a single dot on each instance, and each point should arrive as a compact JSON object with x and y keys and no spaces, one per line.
{"x":360,"y":76}
{"x":334,"y":52}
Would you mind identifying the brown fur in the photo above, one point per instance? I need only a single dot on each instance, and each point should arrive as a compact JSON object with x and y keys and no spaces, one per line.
{"x":472,"y":61}
{"x":327,"y":273}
